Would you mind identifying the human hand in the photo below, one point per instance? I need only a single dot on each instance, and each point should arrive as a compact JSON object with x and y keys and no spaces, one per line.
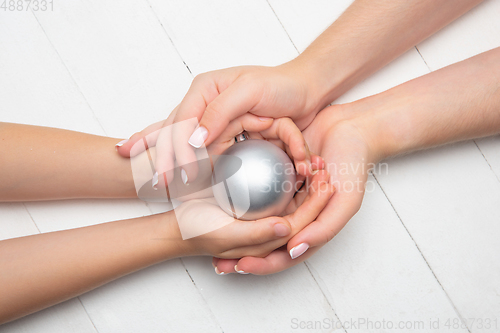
{"x":348,"y":155}
{"x":219,"y":97}
{"x":282,"y":132}
{"x":226,"y":237}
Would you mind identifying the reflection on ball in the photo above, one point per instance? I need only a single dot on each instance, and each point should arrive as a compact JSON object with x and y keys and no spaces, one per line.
{"x":253,"y":179}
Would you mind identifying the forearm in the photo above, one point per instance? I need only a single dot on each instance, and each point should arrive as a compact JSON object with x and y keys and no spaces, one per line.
{"x":367,"y":36}
{"x":42,"y":163}
{"x":41,"y":270}
{"x":458,"y":102}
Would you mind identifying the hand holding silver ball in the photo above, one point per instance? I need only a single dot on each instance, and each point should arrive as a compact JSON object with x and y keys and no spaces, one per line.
{"x":253,"y":179}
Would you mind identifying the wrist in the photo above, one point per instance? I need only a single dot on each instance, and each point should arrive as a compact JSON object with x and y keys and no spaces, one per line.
{"x":167,"y":237}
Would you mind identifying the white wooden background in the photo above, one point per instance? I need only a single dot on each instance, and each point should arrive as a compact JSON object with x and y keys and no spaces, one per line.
{"x":425,"y":245}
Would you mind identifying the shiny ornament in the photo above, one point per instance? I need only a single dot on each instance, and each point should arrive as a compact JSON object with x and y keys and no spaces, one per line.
{"x":253,"y":179}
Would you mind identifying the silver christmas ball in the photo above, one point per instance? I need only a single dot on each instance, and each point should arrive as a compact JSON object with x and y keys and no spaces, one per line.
{"x":253,"y":179}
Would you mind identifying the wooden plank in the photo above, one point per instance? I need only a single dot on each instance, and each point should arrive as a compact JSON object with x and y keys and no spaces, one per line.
{"x":15,"y":221}
{"x":249,"y":303}
{"x":212,"y":35}
{"x":69,"y":316}
{"x":448,"y":200}
{"x":36,"y":87}
{"x":373,"y":272}
{"x":121,"y":59}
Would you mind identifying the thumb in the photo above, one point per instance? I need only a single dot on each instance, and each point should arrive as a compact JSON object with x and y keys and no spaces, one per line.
{"x":233,"y":102}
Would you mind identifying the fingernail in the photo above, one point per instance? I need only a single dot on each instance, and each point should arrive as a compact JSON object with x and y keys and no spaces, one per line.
{"x":314,"y":172}
{"x":239,"y":270}
{"x":198,"y":137}
{"x":219,"y":273}
{"x":264,"y":118}
{"x":121,"y":143}
{"x":298,"y":250}
{"x":155,"y":180}
{"x":184,"y":176}
{"x":281,"y":230}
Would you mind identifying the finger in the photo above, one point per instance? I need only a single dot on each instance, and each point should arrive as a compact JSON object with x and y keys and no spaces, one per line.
{"x":165,"y":158}
{"x":225,"y":266}
{"x":318,"y":163}
{"x":233,"y":102}
{"x":129,"y":148}
{"x":275,"y":262}
{"x":332,"y":219}
{"x":203,"y":89}
{"x":245,"y":234}
{"x":319,"y":193}
{"x":247,"y":122}
{"x":286,"y":130}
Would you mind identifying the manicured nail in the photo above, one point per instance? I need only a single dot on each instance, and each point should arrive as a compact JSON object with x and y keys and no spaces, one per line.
{"x":281,"y":230}
{"x":155,"y":180}
{"x":121,"y":143}
{"x":239,"y":270}
{"x":298,"y":250}
{"x":184,"y":176}
{"x":218,"y":272}
{"x":198,"y":137}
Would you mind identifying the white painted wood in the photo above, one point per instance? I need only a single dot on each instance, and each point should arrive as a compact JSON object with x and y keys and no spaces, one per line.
{"x":249,"y":303}
{"x":218,"y":34}
{"x":448,"y":199}
{"x":373,"y":271}
{"x":121,"y":59}
{"x":15,"y":221}
{"x":35,"y":86}
{"x":490,"y":147}
{"x":161,"y":298}
{"x":69,"y":316}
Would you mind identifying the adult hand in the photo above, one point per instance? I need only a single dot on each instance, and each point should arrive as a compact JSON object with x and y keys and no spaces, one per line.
{"x":232,"y":238}
{"x":282,"y":132}
{"x":217,"y":98}
{"x":348,"y":157}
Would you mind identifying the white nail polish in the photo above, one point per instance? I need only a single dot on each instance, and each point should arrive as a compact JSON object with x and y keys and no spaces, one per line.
{"x":155,"y":180}
{"x":219,"y":273}
{"x":198,"y":137}
{"x":298,"y":250}
{"x":121,"y":143}
{"x":184,"y":176}
{"x":239,"y":270}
